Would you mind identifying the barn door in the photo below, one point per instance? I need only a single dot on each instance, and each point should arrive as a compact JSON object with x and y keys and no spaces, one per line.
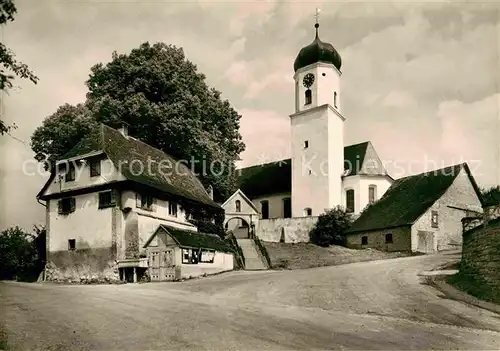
{"x":154,"y":265}
{"x":425,"y":241}
{"x":167,"y":265}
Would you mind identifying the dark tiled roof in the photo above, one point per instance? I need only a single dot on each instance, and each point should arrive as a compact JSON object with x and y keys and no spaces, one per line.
{"x":269,"y":178}
{"x":276,"y":177}
{"x":354,"y":156}
{"x":131,"y":153}
{"x":187,"y":238}
{"x":408,"y":198}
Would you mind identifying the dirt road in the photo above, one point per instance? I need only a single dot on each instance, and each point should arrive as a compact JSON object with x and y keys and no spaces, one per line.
{"x":369,"y":305}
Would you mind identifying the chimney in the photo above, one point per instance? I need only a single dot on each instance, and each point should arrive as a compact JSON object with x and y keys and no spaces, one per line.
{"x":124,"y":129}
{"x":210,"y":191}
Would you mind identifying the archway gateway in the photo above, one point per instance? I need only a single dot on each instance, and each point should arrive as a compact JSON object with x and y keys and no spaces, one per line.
{"x":239,"y":226}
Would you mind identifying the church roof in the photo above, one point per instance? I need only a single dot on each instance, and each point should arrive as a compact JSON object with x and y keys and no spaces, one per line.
{"x":408,"y":198}
{"x":276,"y":177}
{"x":132,"y":154}
{"x":317,"y":51}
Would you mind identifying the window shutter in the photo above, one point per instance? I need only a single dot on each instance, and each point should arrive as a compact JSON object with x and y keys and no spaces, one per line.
{"x":98,"y":167}
{"x":60,"y":205}
{"x":113,"y":197}
{"x":73,"y":204}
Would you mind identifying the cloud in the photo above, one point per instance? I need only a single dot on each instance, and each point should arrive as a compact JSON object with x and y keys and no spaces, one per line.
{"x":261,"y":76}
{"x":421,"y":60}
{"x":256,"y":13}
{"x":266,"y":135}
{"x":401,"y":99}
{"x":470,"y":132}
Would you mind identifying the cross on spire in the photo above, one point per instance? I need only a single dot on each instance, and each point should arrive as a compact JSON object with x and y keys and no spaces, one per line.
{"x":318,"y":10}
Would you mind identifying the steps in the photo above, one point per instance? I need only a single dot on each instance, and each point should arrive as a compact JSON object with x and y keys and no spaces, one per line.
{"x":253,"y":257}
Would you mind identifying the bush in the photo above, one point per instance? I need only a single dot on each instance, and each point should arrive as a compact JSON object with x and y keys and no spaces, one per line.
{"x":331,"y":227}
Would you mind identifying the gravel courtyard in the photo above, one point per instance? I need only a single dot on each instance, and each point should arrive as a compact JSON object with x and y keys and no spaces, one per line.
{"x":366,"y":305}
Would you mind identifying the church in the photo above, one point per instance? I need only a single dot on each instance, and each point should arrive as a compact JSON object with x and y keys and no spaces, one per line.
{"x":323,"y":172}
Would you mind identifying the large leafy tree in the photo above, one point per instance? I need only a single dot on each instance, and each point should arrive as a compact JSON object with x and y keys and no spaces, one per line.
{"x":166,"y":103}
{"x":22,"y":254}
{"x":9,"y":66}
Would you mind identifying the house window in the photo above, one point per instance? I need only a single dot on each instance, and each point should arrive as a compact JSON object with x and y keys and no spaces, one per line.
{"x":238,"y":205}
{"x":364,"y":240}
{"x":107,"y":199}
{"x":67,"y":205}
{"x":308,"y":97}
{"x":287,"y":207}
{"x":207,"y":256}
{"x":172,"y":208}
{"x":308,"y":211}
{"x":306,"y":144}
{"x":372,"y":193}
{"x":335,"y":99}
{"x":265,"y":209}
{"x":388,"y":238}
{"x":190,"y":256}
{"x":434,"y":219}
{"x":70,"y":174}
{"x":144,"y":202}
{"x":349,"y":200}
{"x":72,"y":244}
{"x":95,"y":167}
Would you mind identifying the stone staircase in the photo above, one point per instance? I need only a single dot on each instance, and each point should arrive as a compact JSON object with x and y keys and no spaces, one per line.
{"x":253,"y":257}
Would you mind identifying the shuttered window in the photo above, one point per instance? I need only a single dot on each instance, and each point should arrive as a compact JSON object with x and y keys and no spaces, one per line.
{"x":67,"y":205}
{"x":107,"y":199}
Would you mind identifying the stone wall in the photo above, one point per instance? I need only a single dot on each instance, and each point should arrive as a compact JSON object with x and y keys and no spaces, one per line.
{"x":401,"y":239}
{"x":295,"y":230}
{"x":480,"y":265}
{"x":82,"y":266}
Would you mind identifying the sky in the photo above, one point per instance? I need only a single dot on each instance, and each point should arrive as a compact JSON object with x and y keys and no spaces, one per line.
{"x":420,"y":80}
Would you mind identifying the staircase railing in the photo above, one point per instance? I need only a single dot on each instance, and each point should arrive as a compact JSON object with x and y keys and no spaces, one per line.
{"x":238,"y":252}
{"x":263,"y":250}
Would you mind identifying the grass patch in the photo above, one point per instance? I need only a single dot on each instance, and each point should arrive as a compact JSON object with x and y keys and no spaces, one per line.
{"x":3,"y":339}
{"x":307,"y":255}
{"x":474,"y":286}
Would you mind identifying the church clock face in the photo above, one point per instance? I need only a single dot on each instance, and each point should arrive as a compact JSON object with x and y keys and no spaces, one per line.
{"x":308,"y":80}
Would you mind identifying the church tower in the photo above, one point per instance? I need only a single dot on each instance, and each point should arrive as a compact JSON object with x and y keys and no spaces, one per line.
{"x":317,"y":130}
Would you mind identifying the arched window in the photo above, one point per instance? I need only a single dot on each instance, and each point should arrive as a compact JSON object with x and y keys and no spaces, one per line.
{"x":308,"y":97}
{"x":335,"y":99}
{"x":372,"y":193}
{"x":349,"y":196}
{"x":238,"y":205}
{"x":308,"y":211}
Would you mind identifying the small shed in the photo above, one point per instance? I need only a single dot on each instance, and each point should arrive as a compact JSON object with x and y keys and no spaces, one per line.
{"x":175,"y":253}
